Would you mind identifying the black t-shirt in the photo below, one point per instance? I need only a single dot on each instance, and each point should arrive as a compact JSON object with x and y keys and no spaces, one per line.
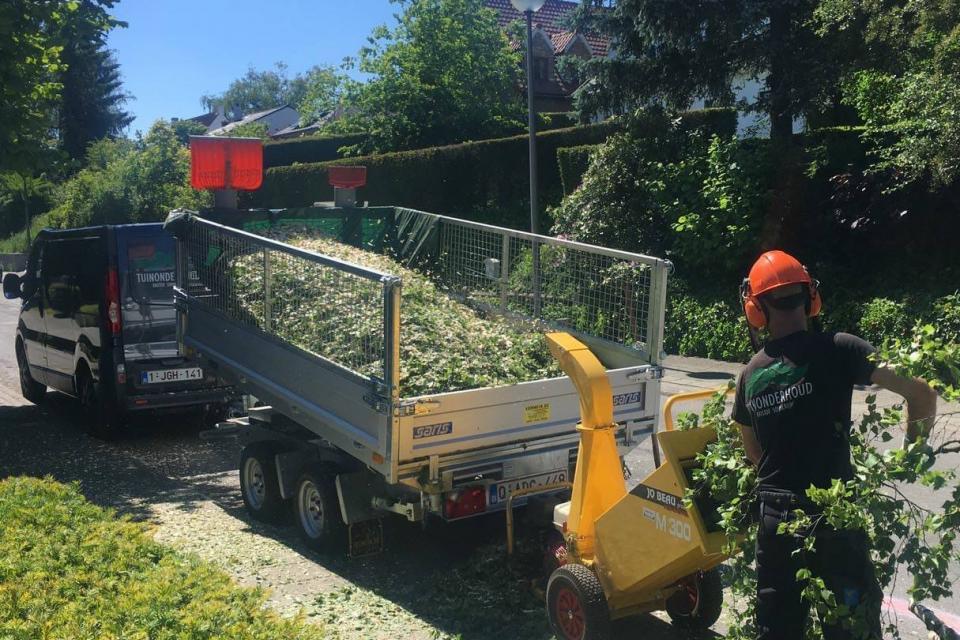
{"x":796,"y":394}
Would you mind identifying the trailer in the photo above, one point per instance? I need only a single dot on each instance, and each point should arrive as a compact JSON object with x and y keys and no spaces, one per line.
{"x":332,"y":434}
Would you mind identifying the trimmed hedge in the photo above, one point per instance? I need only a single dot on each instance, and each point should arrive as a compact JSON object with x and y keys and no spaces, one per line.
{"x":280,"y":153}
{"x":485,"y":180}
{"x":467,"y":180}
{"x":548,"y":121}
{"x":573,"y":163}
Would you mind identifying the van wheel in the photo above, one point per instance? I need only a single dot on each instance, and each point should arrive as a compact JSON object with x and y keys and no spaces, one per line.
{"x":101,"y":417}
{"x":259,"y":485}
{"x":317,"y":512}
{"x":31,"y":390}
{"x":698,"y":602}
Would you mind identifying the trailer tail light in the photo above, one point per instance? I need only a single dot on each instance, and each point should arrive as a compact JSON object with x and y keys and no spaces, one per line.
{"x":112,"y":296}
{"x":465,"y":502}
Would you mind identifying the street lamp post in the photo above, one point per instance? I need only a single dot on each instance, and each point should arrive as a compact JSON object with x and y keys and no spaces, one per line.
{"x":527,"y":7}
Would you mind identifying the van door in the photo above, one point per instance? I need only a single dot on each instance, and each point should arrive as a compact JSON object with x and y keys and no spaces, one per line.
{"x":147,"y":275}
{"x":31,"y":314}
{"x":73,"y":276}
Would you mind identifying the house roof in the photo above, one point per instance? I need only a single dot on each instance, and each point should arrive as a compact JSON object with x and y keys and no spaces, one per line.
{"x":550,"y":19}
{"x":251,"y":117}
{"x":206,"y":119}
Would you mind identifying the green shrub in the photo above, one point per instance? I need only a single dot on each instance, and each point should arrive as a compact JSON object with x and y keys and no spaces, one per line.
{"x":714,"y":329}
{"x":550,"y":120}
{"x":720,"y":121}
{"x":945,"y":317}
{"x":17,"y":242}
{"x":455,"y":180}
{"x":573,"y":163}
{"x":280,"y":153}
{"x":882,"y":319}
{"x":70,"y":569}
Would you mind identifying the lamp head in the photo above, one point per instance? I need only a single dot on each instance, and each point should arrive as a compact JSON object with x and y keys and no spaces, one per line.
{"x":527,"y":5}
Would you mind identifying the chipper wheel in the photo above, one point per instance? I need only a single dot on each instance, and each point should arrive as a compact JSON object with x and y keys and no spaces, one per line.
{"x":697,"y":604}
{"x":576,"y":604}
{"x":259,"y":485}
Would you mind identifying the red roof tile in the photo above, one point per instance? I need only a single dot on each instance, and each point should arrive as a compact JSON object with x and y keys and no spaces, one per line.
{"x":550,"y":19}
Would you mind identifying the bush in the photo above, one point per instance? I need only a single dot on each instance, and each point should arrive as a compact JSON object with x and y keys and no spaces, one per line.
{"x":720,"y":121}
{"x":714,"y":329}
{"x":550,"y":120}
{"x":17,"y":242}
{"x":573,"y":163}
{"x":70,"y":569}
{"x":882,"y":319}
{"x":280,"y":153}
{"x":455,"y":180}
{"x":945,"y":317}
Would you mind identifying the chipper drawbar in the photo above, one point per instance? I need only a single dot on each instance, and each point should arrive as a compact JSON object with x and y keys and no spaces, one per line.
{"x":629,"y":552}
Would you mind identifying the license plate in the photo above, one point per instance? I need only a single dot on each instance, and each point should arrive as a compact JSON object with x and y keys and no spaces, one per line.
{"x":171,"y":375}
{"x":500,"y":491}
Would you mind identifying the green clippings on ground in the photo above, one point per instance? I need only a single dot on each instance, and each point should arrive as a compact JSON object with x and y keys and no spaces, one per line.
{"x":444,"y":344}
{"x":486,"y":595}
{"x":71,"y":569}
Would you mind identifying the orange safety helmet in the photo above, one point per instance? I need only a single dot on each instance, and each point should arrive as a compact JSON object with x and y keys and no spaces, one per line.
{"x":773,"y":270}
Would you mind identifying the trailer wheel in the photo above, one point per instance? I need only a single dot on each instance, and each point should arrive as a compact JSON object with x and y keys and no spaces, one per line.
{"x":317,"y":512}
{"x":698,"y":603}
{"x":259,"y":485}
{"x":576,"y":604}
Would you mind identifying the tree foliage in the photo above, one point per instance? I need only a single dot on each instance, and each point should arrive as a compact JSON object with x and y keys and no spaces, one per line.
{"x":444,"y":74}
{"x":91,"y":105}
{"x":902,"y":535}
{"x":671,"y":53}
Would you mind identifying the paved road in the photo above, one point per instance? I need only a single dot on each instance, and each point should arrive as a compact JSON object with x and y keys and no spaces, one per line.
{"x":188,"y":490}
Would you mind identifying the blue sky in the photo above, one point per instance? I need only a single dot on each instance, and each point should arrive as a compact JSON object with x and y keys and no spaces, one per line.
{"x":175,"y":51}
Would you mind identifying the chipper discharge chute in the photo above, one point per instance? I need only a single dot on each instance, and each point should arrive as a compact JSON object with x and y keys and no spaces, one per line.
{"x":629,"y":552}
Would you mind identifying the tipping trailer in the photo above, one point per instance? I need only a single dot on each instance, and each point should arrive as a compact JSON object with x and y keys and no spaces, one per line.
{"x":334,"y":434}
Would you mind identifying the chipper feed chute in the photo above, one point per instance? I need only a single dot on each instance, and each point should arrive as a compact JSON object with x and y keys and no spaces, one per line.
{"x":636,"y":551}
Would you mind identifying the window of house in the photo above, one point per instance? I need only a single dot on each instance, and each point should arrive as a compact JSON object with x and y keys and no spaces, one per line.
{"x":541,"y":68}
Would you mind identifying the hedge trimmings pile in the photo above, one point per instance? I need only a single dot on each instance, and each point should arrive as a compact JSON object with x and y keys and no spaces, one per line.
{"x":444,"y":344}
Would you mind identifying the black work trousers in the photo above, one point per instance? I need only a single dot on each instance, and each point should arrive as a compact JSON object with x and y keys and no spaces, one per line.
{"x":841,"y":558}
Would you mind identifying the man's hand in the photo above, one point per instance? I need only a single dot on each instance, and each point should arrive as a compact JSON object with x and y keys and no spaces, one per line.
{"x":921,"y":400}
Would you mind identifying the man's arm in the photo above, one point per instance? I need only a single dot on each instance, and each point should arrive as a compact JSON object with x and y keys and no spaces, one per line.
{"x":750,"y":444}
{"x":921,"y":400}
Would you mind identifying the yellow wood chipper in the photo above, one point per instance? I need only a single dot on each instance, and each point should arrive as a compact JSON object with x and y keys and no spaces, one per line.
{"x":628,"y":552}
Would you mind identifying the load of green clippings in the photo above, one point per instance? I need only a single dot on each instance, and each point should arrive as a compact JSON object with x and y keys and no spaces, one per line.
{"x":445,"y":345}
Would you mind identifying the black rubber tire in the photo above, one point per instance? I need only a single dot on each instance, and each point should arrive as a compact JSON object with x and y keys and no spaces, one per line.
{"x":101,"y":417}
{"x":30,"y":389}
{"x":316,"y":511}
{"x":699,"y":610}
{"x":259,"y":485}
{"x":576,"y":605}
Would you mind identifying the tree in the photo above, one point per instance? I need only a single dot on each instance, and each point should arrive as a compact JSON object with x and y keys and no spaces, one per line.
{"x":673,"y":52}
{"x":91,"y":105}
{"x":444,"y":74}
{"x":324,"y":90}
{"x":260,"y":90}
{"x":29,"y":64}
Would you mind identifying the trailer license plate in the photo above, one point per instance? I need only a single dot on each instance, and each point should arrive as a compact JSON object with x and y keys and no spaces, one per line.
{"x":500,"y":491}
{"x":171,"y":375}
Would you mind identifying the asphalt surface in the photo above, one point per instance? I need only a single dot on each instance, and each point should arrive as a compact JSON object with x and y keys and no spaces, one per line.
{"x":188,"y":489}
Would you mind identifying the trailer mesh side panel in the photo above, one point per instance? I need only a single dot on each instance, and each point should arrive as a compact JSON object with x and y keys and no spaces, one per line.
{"x":323,"y":306}
{"x":606,"y":294}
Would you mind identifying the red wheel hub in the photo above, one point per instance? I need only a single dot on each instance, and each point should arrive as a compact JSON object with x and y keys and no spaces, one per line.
{"x":689,"y":595}
{"x":569,"y":614}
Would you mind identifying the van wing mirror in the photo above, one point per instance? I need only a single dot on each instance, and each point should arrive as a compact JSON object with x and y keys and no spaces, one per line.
{"x":12,"y":286}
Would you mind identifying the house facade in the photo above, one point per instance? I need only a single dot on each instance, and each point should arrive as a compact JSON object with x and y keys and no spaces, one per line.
{"x":552,"y":40}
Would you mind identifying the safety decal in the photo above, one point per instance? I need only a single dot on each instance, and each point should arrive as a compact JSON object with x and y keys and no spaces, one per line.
{"x":662,"y":498}
{"x":536,"y":413}
{"x":432,"y":430}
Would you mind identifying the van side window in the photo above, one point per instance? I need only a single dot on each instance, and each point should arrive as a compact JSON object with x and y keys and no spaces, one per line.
{"x":73,"y":275}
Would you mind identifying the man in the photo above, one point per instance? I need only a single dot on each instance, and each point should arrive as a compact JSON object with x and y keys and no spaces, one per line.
{"x":793,"y":405}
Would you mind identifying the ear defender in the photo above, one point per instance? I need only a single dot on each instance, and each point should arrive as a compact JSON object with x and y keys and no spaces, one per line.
{"x":816,"y":303}
{"x":752,"y":307}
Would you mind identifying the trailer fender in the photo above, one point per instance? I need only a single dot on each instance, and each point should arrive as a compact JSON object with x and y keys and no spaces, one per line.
{"x":357,"y":492}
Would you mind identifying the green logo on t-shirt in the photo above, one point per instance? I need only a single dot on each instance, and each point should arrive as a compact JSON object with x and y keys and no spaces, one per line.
{"x":779,"y":373}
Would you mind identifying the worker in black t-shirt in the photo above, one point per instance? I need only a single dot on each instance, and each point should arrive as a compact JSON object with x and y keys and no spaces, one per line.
{"x":793,"y":407}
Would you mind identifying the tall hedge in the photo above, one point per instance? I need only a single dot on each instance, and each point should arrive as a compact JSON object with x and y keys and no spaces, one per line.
{"x":279,"y":153}
{"x":573,"y":163}
{"x":485,"y":180}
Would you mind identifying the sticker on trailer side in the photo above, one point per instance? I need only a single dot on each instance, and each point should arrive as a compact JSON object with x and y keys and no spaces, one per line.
{"x":623,"y":399}
{"x":432,"y":430}
{"x":536,"y":413}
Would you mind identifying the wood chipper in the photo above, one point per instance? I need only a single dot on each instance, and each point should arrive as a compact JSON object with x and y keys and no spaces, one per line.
{"x":629,"y":552}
